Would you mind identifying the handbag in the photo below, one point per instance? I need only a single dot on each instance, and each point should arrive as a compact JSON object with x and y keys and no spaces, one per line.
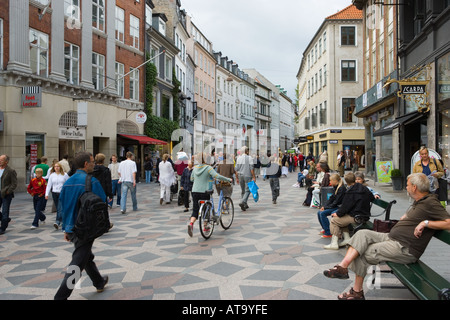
{"x":384,"y":226}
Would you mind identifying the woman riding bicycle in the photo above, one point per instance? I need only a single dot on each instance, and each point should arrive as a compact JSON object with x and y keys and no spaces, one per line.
{"x":202,"y":175}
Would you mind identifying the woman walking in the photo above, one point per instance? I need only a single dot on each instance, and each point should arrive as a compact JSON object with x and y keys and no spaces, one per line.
{"x":202,"y":175}
{"x":55,"y":182}
{"x":166,"y":179}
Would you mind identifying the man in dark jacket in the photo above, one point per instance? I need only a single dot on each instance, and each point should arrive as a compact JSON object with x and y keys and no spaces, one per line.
{"x":8,"y":185}
{"x":357,"y":201}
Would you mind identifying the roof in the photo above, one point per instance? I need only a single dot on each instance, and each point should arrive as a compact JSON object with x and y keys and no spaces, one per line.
{"x":348,"y":13}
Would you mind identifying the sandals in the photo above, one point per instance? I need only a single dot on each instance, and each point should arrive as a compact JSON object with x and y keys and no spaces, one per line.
{"x":337,"y":272}
{"x":352,"y":295}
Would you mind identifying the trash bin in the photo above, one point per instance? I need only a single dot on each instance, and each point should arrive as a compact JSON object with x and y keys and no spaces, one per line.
{"x":325,"y":194}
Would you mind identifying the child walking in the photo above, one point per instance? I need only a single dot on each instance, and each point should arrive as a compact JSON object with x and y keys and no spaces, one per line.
{"x":37,"y":189}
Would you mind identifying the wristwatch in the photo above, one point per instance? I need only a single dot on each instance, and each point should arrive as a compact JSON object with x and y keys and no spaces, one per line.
{"x":426,"y":223}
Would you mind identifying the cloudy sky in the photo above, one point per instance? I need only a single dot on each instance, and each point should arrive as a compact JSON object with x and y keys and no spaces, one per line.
{"x":266,"y":35}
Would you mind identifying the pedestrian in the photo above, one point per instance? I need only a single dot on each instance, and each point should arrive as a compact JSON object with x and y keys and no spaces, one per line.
{"x":166,"y":179}
{"x":43,"y":165}
{"x":341,"y":163}
{"x":127,"y":172}
{"x":82,"y":256}
{"x":148,"y":167}
{"x":274,"y":174}
{"x":357,"y":201}
{"x":246,"y":173}
{"x":355,"y":161}
{"x":332,"y":204}
{"x":201,"y":175}
{"x":116,"y":187}
{"x":55,"y":183}
{"x":65,"y":163}
{"x":226,"y":168}
{"x":324,"y":182}
{"x":36,"y":188}
{"x":405,"y":243}
{"x":8,"y":180}
{"x":186,"y":184}
{"x":103,"y":174}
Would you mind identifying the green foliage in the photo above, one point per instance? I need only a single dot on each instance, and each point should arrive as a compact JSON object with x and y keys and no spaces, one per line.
{"x":396,"y":173}
{"x":176,"y":97}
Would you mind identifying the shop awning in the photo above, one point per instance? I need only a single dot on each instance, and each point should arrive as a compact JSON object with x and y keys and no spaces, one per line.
{"x":403,"y":120}
{"x":141,"y":139}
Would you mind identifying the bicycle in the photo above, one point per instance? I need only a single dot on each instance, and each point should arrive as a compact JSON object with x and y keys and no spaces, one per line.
{"x":208,"y":217}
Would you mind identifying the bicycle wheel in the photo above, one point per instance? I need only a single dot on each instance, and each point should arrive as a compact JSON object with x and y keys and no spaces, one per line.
{"x":227,"y":215}
{"x":206,"y":221}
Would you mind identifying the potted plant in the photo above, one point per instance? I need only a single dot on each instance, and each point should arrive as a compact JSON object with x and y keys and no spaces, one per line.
{"x":397,"y":179}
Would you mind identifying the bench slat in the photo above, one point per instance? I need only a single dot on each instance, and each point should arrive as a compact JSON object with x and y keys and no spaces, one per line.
{"x":420,"y":279}
{"x":443,"y":235}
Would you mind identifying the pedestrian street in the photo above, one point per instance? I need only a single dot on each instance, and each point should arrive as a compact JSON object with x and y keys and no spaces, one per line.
{"x":271,"y":252}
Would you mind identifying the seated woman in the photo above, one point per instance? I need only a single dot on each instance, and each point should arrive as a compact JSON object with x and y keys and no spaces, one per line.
{"x":332,"y":205}
{"x":325,"y":182}
{"x":357,"y":201}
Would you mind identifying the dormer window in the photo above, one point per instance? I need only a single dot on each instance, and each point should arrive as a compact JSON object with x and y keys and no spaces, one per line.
{"x":159,"y":22}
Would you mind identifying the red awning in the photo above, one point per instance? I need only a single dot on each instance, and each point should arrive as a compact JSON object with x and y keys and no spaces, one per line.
{"x":143,"y":139}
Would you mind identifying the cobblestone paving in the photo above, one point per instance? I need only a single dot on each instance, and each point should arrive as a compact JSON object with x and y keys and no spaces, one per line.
{"x":270,"y":252}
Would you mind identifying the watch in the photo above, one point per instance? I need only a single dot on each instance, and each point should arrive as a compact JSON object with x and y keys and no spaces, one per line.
{"x":426,"y":223}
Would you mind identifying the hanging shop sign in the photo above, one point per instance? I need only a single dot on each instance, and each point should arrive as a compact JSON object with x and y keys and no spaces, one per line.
{"x":414,"y":89}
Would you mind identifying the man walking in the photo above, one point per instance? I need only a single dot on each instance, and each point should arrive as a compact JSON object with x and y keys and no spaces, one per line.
{"x":82,"y":256}
{"x":127,"y":172}
{"x":246,"y":173}
{"x":8,"y":183}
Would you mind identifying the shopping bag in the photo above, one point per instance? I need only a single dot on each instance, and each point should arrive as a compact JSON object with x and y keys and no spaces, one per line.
{"x":254,"y":190}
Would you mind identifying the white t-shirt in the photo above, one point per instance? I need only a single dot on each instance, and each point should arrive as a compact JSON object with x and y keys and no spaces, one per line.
{"x":126,"y":170}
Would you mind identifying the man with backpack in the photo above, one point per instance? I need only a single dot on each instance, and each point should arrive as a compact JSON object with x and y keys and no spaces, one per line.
{"x":82,"y":257}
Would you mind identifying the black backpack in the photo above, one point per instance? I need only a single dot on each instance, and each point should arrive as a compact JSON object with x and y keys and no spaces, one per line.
{"x":93,"y":217}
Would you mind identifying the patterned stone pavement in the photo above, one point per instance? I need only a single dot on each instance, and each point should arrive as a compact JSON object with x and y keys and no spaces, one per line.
{"x":270,"y":252}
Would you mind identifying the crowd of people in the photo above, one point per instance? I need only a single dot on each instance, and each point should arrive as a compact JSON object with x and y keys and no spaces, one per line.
{"x":348,"y":196}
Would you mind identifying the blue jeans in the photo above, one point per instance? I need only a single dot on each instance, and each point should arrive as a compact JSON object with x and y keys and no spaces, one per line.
{"x":4,"y":204}
{"x":300,"y":178}
{"x":148,"y":176}
{"x":55,"y":196}
{"x":116,"y":188}
{"x":38,"y":204}
{"x":323,"y":219}
{"x":123,"y":202}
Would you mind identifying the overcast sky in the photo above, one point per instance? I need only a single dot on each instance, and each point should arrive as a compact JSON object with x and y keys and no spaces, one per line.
{"x":269,"y":36}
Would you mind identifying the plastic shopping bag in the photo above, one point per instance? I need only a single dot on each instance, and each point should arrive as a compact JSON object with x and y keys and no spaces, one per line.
{"x":254,"y":190}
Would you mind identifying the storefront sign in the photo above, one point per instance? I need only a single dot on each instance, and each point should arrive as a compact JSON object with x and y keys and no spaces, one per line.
{"x":141,"y":117}
{"x":333,"y":141}
{"x":72,"y":133}
{"x":413,"y":89}
{"x":31,"y":97}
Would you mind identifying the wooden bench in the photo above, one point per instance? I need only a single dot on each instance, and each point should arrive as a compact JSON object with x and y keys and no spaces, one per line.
{"x":419,"y":278}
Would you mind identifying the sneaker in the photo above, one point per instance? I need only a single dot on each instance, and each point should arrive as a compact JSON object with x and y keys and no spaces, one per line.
{"x":102,"y":287}
{"x":190,"y":227}
{"x":56,"y":226}
{"x":33,"y":227}
{"x":123,"y":211}
{"x":327,"y":236}
{"x":242,"y":205}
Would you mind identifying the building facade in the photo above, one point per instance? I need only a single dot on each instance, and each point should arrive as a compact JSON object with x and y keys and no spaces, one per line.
{"x":331,"y":69}
{"x":70,"y":79}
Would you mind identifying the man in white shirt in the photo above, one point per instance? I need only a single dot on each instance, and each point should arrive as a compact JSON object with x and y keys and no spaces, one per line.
{"x":116,"y":187}
{"x":127,"y":172}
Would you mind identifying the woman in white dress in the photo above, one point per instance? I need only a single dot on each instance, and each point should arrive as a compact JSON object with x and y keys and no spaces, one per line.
{"x":56,"y":180}
{"x":166,"y":179}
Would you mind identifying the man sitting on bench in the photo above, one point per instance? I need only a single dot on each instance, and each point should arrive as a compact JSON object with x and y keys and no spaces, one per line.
{"x":405,"y":243}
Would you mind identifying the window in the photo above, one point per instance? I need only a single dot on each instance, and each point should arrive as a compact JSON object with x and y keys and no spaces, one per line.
{"x":134,"y":84}
{"x":348,"y":107}
{"x":324,"y":41}
{"x":348,"y":70}
{"x":134,"y":31}
{"x":98,"y":71}
{"x":98,"y":14}
{"x":71,"y":63}
{"x":348,"y":36}
{"x":168,"y":68}
{"x":120,"y":24}
{"x":324,"y":75}
{"x":72,"y":9}
{"x":323,"y":113}
{"x":38,"y":52}
{"x":148,"y":15}
{"x":120,"y":71}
